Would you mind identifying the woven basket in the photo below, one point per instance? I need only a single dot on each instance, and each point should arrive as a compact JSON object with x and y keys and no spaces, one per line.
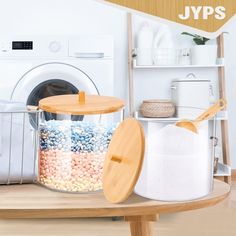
{"x":157,"y":109}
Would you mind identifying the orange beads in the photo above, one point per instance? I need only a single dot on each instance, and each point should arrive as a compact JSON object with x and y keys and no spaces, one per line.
{"x":69,"y":171}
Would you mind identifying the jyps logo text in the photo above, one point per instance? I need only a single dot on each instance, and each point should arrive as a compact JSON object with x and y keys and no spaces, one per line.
{"x":203,"y":13}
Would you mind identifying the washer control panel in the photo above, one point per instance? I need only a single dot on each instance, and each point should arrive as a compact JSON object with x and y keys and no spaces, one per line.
{"x":56,"y":46}
{"x":22,"y":45}
{"x":32,"y":47}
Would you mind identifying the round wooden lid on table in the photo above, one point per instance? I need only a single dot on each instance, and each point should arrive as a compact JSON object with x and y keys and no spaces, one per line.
{"x":123,"y":162}
{"x":81,"y":104}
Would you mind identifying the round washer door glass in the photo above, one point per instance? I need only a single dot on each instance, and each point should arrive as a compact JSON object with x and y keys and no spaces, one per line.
{"x":49,"y":80}
{"x":52,"y":79}
{"x":50,"y":88}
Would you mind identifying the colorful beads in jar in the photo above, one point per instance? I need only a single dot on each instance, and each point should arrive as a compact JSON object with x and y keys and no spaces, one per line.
{"x":72,"y":153}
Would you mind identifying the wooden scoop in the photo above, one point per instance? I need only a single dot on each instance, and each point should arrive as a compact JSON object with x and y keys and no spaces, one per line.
{"x":193,"y":125}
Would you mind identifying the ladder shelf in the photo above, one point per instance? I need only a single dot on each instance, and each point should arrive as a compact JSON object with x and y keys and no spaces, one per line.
{"x":224,"y":169}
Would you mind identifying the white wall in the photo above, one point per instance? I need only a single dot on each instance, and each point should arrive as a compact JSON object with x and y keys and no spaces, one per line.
{"x":91,"y":17}
{"x":68,"y":17}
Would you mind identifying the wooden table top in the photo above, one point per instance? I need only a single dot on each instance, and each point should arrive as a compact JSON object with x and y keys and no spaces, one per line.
{"x":33,"y":201}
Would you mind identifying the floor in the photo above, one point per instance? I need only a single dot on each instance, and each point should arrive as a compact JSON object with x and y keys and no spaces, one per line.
{"x":219,"y":220}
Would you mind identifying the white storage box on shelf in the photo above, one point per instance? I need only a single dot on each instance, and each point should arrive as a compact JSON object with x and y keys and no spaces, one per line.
{"x":185,"y":95}
{"x":17,"y":143}
{"x":178,"y":164}
{"x":165,"y":56}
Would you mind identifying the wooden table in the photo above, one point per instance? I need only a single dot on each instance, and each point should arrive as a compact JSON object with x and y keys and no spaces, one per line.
{"x":32,"y":201}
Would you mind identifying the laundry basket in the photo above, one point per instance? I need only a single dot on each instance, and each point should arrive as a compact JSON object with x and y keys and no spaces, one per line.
{"x":178,"y":164}
{"x":18,"y":144}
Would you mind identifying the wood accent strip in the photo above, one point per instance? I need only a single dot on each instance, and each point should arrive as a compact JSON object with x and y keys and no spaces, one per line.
{"x":234,"y":174}
{"x":130,"y":64}
{"x":151,"y":218}
{"x":222,"y":94}
{"x":171,"y":9}
{"x":141,"y":228}
{"x":141,"y":225}
{"x":221,"y":178}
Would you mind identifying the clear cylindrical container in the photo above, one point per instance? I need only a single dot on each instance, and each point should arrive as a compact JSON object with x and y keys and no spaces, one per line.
{"x":74,"y":137}
{"x":178,"y":164}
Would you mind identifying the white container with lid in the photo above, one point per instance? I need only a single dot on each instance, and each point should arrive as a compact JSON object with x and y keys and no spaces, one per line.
{"x":191,"y":92}
{"x":145,"y":45}
{"x":175,"y":164}
{"x":178,"y":165}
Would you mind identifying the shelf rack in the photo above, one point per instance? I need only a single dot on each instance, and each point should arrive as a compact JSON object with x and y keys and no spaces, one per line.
{"x":221,"y":116}
{"x":220,"y":64}
{"x":224,"y":170}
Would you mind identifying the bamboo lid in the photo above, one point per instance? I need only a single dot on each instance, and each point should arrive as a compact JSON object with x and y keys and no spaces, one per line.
{"x":123,"y":161}
{"x":81,"y":104}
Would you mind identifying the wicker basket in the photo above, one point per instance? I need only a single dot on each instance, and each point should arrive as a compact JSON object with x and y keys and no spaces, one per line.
{"x":157,"y":108}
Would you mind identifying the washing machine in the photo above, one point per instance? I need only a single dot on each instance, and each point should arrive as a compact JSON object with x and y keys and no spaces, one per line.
{"x":35,"y":67}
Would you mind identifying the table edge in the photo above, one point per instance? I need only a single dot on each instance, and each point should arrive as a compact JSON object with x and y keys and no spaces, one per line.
{"x":109,"y":212}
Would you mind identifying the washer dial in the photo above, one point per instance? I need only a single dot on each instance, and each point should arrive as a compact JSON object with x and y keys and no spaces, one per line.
{"x":54,"y":46}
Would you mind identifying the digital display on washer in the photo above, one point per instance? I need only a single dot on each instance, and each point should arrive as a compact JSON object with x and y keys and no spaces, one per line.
{"x":22,"y":45}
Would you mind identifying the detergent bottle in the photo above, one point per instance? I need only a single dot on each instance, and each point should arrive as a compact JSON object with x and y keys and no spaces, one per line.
{"x":145,"y":45}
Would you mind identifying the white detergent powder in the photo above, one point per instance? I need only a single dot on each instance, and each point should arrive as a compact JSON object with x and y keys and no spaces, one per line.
{"x":173,"y":140}
{"x":177,"y":164}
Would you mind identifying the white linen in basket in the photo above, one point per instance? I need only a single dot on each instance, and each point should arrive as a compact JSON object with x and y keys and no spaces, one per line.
{"x":13,"y":145}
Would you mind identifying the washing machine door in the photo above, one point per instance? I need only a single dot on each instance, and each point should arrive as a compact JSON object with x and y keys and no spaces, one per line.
{"x":52,"y":79}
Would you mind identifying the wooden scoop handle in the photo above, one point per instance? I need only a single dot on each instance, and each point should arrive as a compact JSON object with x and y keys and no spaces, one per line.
{"x":218,"y":106}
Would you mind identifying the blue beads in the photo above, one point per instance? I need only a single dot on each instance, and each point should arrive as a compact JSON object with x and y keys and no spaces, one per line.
{"x":75,"y":136}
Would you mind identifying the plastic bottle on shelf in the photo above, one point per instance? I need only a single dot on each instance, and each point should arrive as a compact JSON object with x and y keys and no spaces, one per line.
{"x":145,"y":45}
{"x":163,"y":44}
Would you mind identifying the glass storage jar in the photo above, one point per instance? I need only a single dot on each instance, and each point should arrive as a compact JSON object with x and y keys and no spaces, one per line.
{"x":74,"y":134}
{"x":178,"y":163}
